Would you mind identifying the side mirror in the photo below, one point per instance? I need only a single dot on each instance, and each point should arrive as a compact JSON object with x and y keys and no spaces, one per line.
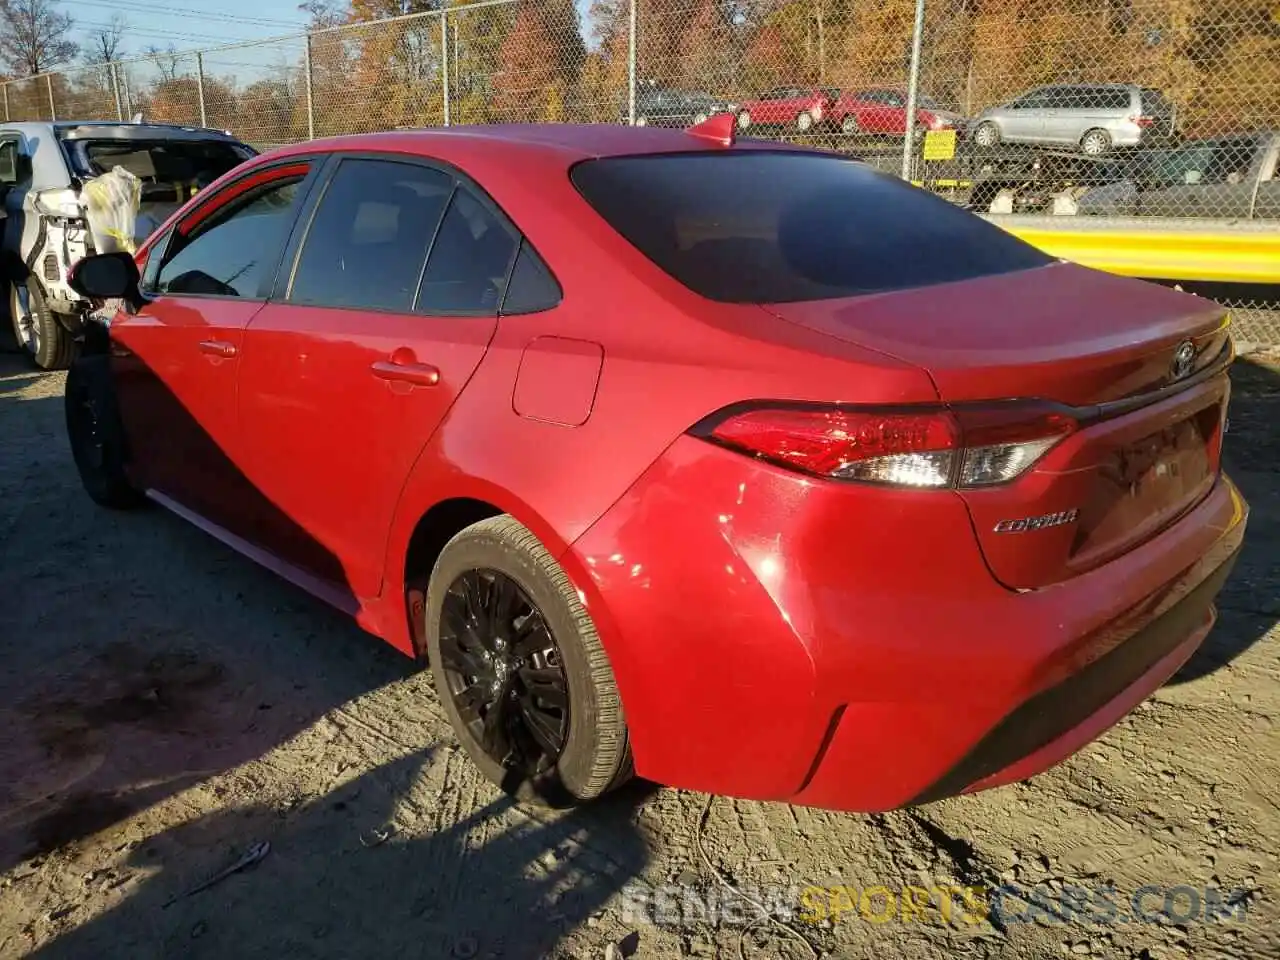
{"x":105,"y":276}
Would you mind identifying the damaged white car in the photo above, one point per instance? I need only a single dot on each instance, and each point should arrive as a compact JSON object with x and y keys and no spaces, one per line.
{"x":72,"y":189}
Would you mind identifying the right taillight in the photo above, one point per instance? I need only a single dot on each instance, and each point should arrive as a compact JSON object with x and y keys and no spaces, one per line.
{"x":962,"y":445}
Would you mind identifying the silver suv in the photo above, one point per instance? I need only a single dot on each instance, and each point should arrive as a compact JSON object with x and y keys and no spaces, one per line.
{"x":1090,"y":117}
{"x":43,"y":168}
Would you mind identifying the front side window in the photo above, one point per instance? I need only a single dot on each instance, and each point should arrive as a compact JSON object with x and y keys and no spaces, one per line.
{"x":1028,"y":101}
{"x":234,"y":254}
{"x":772,"y":226}
{"x":370,"y":235}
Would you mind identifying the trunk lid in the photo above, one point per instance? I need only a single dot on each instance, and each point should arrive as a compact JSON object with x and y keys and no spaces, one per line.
{"x":1147,"y":448}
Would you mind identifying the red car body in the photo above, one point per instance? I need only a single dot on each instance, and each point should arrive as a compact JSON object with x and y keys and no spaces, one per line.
{"x":775,"y":633}
{"x":884,"y":112}
{"x":785,"y":106}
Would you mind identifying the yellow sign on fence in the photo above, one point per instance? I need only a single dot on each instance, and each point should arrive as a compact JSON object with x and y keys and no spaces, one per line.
{"x":939,"y":144}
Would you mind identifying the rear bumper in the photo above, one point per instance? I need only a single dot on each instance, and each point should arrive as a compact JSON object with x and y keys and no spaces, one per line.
{"x":841,"y":647}
{"x":1056,"y":722}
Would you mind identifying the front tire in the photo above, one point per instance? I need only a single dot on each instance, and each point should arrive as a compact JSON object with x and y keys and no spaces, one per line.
{"x":96,"y":435}
{"x":987,"y":134}
{"x":849,"y":125}
{"x":804,"y":121}
{"x":520,"y":670}
{"x":744,"y":119}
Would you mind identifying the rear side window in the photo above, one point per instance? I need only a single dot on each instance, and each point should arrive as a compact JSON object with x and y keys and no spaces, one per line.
{"x":1114,"y":99}
{"x":532,"y":287}
{"x":368,"y":240}
{"x":773,"y":227}
{"x":470,"y":260}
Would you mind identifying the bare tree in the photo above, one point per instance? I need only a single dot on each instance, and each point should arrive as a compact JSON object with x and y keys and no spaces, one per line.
{"x":166,"y":61}
{"x":323,"y":13}
{"x":106,"y":43}
{"x":34,"y":36}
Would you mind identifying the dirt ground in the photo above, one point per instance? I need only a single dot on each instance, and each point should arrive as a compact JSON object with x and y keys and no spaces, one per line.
{"x":165,"y":705}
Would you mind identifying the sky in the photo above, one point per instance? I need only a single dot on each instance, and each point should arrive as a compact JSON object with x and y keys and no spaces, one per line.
{"x":185,"y":23}
{"x":188,"y":24}
{"x":193,"y":25}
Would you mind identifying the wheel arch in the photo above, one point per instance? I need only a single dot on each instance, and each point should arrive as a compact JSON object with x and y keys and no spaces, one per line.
{"x":422,"y":527}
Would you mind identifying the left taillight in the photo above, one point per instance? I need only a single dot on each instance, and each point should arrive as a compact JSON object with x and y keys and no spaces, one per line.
{"x":960,"y":446}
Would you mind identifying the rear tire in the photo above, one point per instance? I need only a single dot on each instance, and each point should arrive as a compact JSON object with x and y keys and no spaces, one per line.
{"x":509,"y":641}
{"x":1095,"y":143}
{"x":804,"y":121}
{"x":96,"y":435}
{"x":40,"y":336}
{"x":744,"y":119}
{"x":849,"y":125}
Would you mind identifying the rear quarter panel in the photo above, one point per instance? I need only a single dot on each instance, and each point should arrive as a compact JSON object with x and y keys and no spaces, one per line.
{"x":669,"y":359}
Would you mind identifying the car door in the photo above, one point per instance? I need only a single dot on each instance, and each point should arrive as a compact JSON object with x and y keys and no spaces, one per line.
{"x":1023,"y":119}
{"x":1266,"y":200}
{"x":775,"y":105}
{"x":1060,"y":114}
{"x":175,"y":360}
{"x":348,"y":373}
{"x":15,"y":181}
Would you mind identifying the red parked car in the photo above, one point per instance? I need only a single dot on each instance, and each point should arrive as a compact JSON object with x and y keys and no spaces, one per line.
{"x":746,"y":466}
{"x":884,"y":112}
{"x":800,"y":107}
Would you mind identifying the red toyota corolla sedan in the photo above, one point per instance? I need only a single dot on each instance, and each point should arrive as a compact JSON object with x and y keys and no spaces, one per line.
{"x":745,"y":467}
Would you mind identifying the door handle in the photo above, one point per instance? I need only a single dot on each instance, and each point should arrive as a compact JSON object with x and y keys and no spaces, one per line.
{"x":421,"y":374}
{"x":218,"y":348}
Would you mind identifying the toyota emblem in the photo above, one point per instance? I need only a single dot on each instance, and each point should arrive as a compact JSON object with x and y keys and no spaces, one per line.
{"x":1184,"y":359}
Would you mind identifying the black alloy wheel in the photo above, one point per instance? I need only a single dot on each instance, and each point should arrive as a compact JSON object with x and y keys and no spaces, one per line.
{"x":504,"y":671}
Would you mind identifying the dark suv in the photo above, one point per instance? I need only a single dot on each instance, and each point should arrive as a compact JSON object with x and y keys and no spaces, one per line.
{"x":668,"y":107}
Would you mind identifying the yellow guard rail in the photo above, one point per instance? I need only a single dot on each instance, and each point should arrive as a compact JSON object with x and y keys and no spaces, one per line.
{"x":1207,"y":252}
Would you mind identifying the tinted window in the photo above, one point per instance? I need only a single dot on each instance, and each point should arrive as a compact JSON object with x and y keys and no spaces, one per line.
{"x":768,"y":226}
{"x":9,"y":161}
{"x":470,"y":260}
{"x":370,"y":234}
{"x":1111,"y":99}
{"x":235,"y":254}
{"x":1153,"y":101}
{"x":154,"y":260}
{"x":1032,"y":100}
{"x":532,"y":287}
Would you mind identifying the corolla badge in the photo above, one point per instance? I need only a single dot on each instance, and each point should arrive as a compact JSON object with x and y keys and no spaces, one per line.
{"x":1184,"y":358}
{"x":1025,"y":524}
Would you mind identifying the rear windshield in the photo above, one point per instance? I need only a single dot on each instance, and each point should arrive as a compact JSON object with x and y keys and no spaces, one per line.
{"x":1153,"y":101}
{"x":182,"y":164}
{"x":773,"y":227}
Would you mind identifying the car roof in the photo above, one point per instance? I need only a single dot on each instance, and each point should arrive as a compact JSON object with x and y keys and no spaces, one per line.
{"x":115,"y":130}
{"x":568,"y":142}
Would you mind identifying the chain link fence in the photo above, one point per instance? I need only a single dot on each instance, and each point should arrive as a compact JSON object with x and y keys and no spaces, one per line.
{"x":1153,"y":109}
